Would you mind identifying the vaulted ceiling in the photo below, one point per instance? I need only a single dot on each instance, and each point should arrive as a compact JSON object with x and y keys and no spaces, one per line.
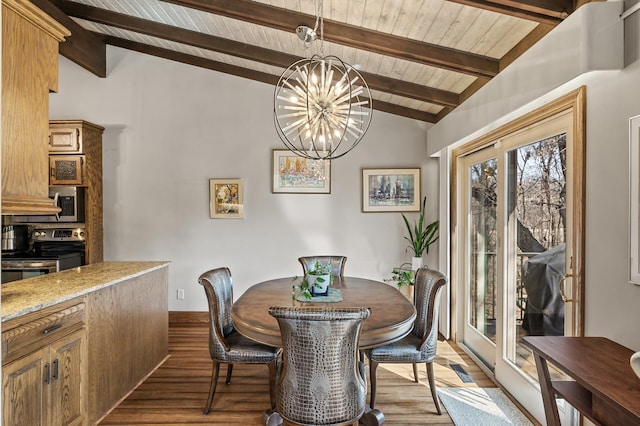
{"x":420,"y":58}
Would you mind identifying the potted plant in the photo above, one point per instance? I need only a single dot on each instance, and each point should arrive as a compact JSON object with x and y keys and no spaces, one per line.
{"x":402,"y":275}
{"x":404,"y":278}
{"x":316,"y":281}
{"x":421,"y":236}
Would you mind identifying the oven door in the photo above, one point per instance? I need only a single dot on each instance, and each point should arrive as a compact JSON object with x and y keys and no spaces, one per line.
{"x":14,"y":270}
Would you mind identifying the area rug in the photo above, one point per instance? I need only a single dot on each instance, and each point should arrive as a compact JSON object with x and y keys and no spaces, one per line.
{"x":481,"y":406}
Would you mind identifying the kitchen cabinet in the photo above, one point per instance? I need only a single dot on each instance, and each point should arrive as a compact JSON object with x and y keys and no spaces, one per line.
{"x":66,"y":169}
{"x":30,"y":43}
{"x":44,"y":361}
{"x":75,"y":158}
{"x":123,"y":306}
{"x":64,"y":139}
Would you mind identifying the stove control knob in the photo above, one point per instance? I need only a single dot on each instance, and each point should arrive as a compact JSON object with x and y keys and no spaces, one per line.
{"x":82,"y":233}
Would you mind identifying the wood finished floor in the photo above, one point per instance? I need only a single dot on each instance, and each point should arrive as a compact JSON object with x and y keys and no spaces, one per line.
{"x":175,"y":394}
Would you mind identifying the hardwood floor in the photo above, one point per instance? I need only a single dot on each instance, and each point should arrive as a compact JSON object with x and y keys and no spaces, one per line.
{"x":175,"y":394}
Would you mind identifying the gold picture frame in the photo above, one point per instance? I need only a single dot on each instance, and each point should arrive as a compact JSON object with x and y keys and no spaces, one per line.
{"x":226,"y":199}
{"x":293,"y":174}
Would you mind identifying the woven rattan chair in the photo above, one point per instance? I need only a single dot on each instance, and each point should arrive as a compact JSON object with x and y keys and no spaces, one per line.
{"x":226,"y":345}
{"x":336,"y":262}
{"x":420,"y":345}
{"x":321,"y":381}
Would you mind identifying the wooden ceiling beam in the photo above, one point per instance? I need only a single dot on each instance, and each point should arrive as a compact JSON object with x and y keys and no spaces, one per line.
{"x":81,"y":47}
{"x":547,"y":12}
{"x":185,"y":58}
{"x":349,"y":35}
{"x":246,"y":51}
{"x":244,"y":72}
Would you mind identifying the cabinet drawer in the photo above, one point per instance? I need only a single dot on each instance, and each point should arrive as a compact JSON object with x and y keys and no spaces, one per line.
{"x":25,"y":338}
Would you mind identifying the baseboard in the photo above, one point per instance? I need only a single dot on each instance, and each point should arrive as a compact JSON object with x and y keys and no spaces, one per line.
{"x":188,"y":318}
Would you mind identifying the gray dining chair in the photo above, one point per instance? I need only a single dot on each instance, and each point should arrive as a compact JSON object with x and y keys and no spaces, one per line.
{"x":320,"y":381}
{"x":226,"y":345}
{"x":336,"y":262}
{"x":421,"y":343}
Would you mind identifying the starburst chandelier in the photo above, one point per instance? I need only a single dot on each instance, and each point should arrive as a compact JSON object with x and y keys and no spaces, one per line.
{"x":321,"y":105}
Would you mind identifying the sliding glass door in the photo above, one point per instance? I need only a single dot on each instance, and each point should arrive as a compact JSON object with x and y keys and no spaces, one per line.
{"x":517,"y":202}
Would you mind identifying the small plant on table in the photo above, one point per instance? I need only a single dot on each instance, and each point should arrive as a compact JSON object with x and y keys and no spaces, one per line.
{"x":315,"y":282}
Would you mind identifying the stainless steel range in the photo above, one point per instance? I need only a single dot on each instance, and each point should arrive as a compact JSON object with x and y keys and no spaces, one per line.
{"x":52,"y":250}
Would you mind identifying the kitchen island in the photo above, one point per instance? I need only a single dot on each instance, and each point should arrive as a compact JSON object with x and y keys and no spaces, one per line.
{"x":93,"y":332}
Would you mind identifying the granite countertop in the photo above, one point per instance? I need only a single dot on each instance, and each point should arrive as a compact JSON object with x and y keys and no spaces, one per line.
{"x":26,"y":296}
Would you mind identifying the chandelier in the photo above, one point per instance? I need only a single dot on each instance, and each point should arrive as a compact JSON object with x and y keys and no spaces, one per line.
{"x":321,"y":105}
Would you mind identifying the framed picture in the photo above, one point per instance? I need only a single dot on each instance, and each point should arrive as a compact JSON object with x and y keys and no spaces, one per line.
{"x":298,"y":175}
{"x":391,"y":190}
{"x":634,"y":200}
{"x":225,"y":199}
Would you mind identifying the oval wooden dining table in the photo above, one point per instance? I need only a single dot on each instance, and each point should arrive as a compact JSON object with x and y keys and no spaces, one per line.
{"x":392,"y":314}
{"x":392,"y":317}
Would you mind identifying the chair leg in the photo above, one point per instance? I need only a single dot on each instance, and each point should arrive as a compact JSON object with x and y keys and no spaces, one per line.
{"x":273,"y":368}
{"x":373,"y":367}
{"x":214,"y":381}
{"x":432,"y":385}
{"x":229,"y":371}
{"x":415,"y":372}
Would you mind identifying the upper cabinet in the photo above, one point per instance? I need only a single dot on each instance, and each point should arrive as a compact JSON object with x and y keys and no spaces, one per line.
{"x":30,"y":42}
{"x":75,"y":158}
{"x":65,"y":139}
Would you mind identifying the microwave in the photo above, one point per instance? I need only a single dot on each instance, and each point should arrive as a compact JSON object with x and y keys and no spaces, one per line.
{"x":70,"y":199}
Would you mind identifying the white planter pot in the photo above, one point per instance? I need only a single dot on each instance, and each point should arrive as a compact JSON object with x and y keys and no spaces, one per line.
{"x":416,"y":263}
{"x":322,"y":286}
{"x":635,"y":363}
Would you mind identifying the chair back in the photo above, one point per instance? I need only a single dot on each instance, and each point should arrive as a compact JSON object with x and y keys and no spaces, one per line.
{"x":336,"y":262}
{"x":427,"y":290}
{"x":218,"y":287}
{"x":320,"y":382}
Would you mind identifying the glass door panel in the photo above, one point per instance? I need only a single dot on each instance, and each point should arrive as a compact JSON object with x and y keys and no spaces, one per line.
{"x":535,"y":253}
{"x":482,"y":233}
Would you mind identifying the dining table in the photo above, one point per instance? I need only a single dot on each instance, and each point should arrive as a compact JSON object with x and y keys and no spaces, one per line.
{"x":392,"y":314}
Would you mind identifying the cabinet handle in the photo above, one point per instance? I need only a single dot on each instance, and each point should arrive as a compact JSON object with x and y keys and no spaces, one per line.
{"x":54,"y":375}
{"x":47,"y":373}
{"x":52,"y":328}
{"x":53,"y":171}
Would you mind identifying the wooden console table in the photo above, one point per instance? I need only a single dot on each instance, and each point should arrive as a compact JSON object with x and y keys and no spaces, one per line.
{"x":605,"y":388}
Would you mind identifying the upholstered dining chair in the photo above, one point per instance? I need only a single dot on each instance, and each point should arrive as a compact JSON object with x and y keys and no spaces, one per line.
{"x":226,"y":345}
{"x":336,"y":262}
{"x":320,"y":381}
{"x":421,"y":344}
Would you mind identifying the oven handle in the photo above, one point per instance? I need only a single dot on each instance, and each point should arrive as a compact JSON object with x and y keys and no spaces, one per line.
{"x":55,"y":203}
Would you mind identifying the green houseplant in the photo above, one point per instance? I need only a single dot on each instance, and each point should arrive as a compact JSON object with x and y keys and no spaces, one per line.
{"x":402,"y":275}
{"x":421,"y":235}
{"x":315,"y":282}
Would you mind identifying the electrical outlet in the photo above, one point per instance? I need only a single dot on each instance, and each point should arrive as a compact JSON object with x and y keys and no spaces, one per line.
{"x":180,"y":294}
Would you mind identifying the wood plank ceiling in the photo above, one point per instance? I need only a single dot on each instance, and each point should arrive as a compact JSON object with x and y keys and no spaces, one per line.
{"x":420,"y":58}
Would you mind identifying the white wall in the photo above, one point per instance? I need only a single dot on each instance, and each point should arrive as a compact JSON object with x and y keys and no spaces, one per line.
{"x":612,"y":98}
{"x":171,"y":127}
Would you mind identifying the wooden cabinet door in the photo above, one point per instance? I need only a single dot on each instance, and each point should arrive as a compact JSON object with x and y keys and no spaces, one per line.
{"x":65,"y":140}
{"x":66,"y":169}
{"x":25,"y":392}
{"x":67,"y":395}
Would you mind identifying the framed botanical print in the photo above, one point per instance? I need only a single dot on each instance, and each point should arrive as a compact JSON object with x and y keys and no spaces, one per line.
{"x":298,"y":175}
{"x":391,"y":190}
{"x":225,"y":199}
